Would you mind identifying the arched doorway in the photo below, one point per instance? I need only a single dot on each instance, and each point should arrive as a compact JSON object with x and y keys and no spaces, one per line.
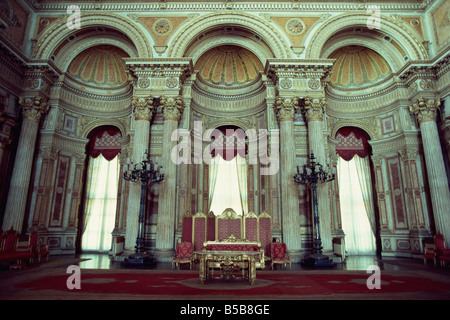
{"x":358,"y":208}
{"x":228,"y":171}
{"x":101,"y":190}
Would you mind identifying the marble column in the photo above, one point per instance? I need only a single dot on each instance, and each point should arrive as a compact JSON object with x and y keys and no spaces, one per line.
{"x":33,"y":110}
{"x":143,"y":112}
{"x":314,"y":110}
{"x":172,"y":110}
{"x":285,"y":109}
{"x":426,"y":111}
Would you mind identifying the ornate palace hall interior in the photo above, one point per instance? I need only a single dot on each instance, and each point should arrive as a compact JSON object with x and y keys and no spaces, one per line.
{"x":167,"y":146}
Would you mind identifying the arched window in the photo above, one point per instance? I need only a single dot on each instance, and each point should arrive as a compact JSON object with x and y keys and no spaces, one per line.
{"x":102,"y":181}
{"x":355,"y":190}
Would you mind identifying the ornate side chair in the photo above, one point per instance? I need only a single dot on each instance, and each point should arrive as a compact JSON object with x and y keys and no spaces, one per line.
{"x":41,"y":250}
{"x":183,"y":254}
{"x":442,"y":254}
{"x":279,"y":254}
{"x":429,"y":253}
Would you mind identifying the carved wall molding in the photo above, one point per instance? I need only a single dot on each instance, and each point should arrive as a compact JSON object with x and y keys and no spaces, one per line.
{"x":232,"y":6}
{"x":410,"y":41}
{"x":56,"y":33}
{"x":258,"y":25}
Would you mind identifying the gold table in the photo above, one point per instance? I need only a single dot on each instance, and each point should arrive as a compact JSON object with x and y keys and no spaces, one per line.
{"x":226,"y":262}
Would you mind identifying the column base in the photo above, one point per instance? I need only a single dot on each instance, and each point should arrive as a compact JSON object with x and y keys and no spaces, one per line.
{"x":164,"y":255}
{"x":318,"y":260}
{"x":139,"y":260}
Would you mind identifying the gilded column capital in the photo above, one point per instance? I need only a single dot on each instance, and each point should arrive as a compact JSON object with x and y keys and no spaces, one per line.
{"x":285,"y":108}
{"x":377,"y":159}
{"x":33,"y":107}
{"x":409,"y":153}
{"x":172,"y":108}
{"x":425,"y":109}
{"x":142,"y":108}
{"x":314,"y":108}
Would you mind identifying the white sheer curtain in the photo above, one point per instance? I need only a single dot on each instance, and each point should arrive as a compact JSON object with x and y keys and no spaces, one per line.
{"x":100,"y":207}
{"x":359,"y":237}
{"x":365,"y":182}
{"x":241,"y":166}
{"x":213,"y":170}
{"x":226,"y":191}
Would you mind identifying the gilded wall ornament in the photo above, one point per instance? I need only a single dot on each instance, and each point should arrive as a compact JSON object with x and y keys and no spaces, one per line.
{"x":425,"y":84}
{"x":314,"y":84}
{"x":144,"y":82}
{"x":142,"y":108}
{"x":162,"y":27}
{"x":32,"y":83}
{"x":295,"y":26}
{"x":425,"y":109}
{"x":413,"y":88}
{"x":171,"y":82}
{"x":286,"y":83}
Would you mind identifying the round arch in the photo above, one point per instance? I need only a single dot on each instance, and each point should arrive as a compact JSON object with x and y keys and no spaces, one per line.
{"x":65,"y":57}
{"x":262,"y":28}
{"x":407,"y":39}
{"x":369,"y":129}
{"x":250,"y":45}
{"x":58,"y":32}
{"x":87,"y":129}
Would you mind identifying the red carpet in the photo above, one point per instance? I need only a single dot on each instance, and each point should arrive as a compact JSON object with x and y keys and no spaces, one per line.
{"x":269,"y":285}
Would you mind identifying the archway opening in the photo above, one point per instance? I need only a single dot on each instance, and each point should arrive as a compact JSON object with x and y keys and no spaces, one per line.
{"x":356,"y":192}
{"x":98,"y":212}
{"x":228,"y":171}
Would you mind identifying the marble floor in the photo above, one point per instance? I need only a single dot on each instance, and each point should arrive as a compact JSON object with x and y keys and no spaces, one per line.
{"x":352,"y":263}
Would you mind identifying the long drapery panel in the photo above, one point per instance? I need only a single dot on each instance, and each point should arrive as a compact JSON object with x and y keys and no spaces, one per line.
{"x":101,"y":202}
{"x":359,"y":237}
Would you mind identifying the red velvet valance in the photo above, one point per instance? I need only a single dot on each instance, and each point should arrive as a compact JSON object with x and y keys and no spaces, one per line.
{"x":352,"y":141}
{"x":226,"y":145}
{"x":105,"y":141}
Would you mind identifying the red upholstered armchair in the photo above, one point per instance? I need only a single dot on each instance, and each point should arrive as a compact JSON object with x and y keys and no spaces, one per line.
{"x":279,"y":254}
{"x":441,"y":253}
{"x":41,"y":250}
{"x":183,"y":254}
{"x":429,"y":253}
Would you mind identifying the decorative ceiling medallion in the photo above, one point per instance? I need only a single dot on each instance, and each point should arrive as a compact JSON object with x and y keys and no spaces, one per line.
{"x":162,"y":27}
{"x":295,"y":26}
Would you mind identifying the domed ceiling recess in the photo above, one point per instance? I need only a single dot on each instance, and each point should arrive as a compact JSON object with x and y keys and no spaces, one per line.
{"x":100,"y":66}
{"x":228,"y":66}
{"x":357,"y":66}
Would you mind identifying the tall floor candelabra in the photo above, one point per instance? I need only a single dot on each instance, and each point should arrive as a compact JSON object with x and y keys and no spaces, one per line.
{"x":147,"y":172}
{"x":312,"y":174}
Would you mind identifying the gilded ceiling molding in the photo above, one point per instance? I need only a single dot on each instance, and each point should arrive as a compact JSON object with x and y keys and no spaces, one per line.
{"x":54,"y":35}
{"x":410,"y":41}
{"x":185,"y":35}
